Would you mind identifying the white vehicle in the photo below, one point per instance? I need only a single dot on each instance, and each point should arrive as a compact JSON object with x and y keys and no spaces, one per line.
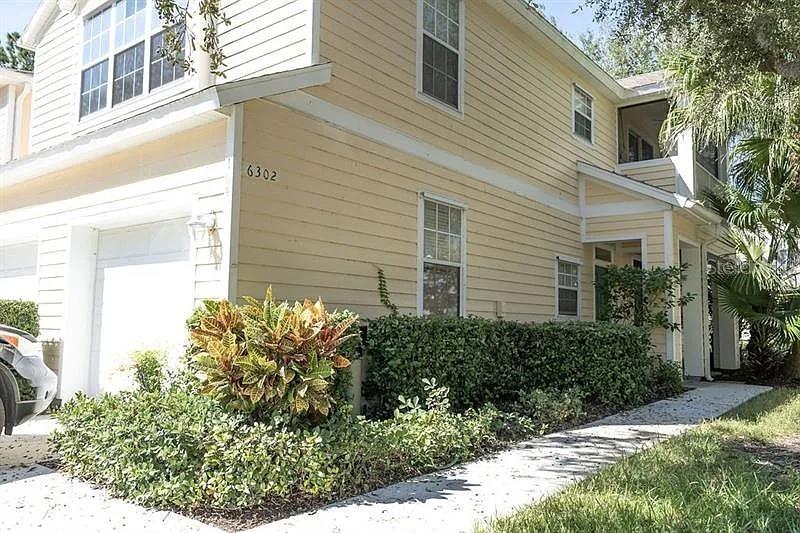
{"x":27,"y":386}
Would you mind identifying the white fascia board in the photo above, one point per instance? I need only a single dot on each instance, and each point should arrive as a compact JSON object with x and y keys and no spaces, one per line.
{"x":14,"y":77}
{"x":152,"y":125}
{"x":627,"y":184}
{"x":185,"y":113}
{"x":239,"y":91}
{"x":623,"y":208}
{"x":43,"y":17}
{"x":379,"y":132}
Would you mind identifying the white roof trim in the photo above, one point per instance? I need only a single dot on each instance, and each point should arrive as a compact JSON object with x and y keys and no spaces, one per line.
{"x":630,"y":185}
{"x":14,"y":77}
{"x":196,"y":109}
{"x":43,"y":17}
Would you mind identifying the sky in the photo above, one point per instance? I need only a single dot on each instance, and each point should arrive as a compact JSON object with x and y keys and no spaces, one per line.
{"x":15,"y":15}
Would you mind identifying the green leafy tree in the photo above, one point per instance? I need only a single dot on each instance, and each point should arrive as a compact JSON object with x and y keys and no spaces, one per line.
{"x":177,"y":16}
{"x":621,"y":58}
{"x":13,"y":56}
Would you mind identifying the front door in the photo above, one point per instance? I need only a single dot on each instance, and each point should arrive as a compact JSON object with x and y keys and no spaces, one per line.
{"x":602,"y":300}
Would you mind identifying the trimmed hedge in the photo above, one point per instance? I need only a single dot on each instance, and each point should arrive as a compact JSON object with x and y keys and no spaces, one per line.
{"x":20,"y":314}
{"x":491,"y":361}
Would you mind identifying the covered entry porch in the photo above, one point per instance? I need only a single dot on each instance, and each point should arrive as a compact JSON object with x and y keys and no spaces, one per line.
{"x":625,"y":222}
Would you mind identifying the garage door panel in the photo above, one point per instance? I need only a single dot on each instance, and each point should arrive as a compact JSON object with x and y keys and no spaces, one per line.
{"x":143,"y":295}
{"x":18,"y":279}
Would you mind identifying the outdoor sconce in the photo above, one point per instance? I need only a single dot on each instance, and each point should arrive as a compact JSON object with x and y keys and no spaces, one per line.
{"x":201,"y":224}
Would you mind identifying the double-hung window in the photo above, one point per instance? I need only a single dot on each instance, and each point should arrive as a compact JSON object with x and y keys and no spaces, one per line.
{"x":121,"y":55}
{"x":567,"y":288}
{"x":582,"y":112}
{"x":441,"y":63}
{"x":442,"y":258}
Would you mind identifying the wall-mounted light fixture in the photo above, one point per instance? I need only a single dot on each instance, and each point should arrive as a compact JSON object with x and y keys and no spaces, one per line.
{"x":201,"y":224}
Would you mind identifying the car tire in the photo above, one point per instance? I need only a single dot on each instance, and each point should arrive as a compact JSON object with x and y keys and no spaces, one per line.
{"x":2,"y":416}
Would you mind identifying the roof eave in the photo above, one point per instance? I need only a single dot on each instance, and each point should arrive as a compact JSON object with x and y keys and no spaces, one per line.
{"x":43,"y":17}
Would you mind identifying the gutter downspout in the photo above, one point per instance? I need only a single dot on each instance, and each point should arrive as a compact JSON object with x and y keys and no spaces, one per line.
{"x":16,"y":143}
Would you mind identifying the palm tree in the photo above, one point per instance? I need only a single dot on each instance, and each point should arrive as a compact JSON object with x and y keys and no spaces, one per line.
{"x":761,"y":204}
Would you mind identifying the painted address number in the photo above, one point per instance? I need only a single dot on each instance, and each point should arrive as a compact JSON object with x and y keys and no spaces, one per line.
{"x":258,"y":172}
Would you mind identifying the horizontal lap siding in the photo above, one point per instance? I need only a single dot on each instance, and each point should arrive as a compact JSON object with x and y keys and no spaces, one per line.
{"x":518,"y":114}
{"x":55,"y":103}
{"x":199,"y":153}
{"x":266,"y":36}
{"x":662,"y":176}
{"x":600,"y":194}
{"x":345,"y":206}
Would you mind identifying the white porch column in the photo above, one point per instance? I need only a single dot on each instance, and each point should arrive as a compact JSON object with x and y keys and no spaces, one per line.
{"x":81,"y":261}
{"x":693,"y":334}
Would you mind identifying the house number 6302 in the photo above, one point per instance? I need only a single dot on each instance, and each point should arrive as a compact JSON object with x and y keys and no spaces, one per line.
{"x":257,"y":171}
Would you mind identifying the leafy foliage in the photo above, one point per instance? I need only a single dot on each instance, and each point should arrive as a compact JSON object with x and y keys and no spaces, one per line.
{"x":149,"y":369}
{"x":179,"y":449}
{"x":20,"y":314}
{"x":635,"y":54}
{"x":644,"y":297}
{"x":13,"y":56}
{"x":484,"y":361}
{"x":758,"y":282}
{"x":550,"y":410}
{"x":177,"y":19}
{"x":383,"y":292}
{"x":267,"y":356}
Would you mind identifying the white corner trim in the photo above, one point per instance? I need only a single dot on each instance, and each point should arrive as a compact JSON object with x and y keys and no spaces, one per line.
{"x":622,"y":208}
{"x":233,"y":160}
{"x":380,"y":133}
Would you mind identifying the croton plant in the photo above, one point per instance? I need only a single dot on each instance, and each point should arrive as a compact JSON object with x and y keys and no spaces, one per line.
{"x":269,"y":356}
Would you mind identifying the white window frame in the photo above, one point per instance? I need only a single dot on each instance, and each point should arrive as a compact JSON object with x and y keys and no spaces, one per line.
{"x":573,"y":94}
{"x":579,"y":288}
{"x":459,"y":111}
{"x":433,"y":197}
{"x":90,"y":9}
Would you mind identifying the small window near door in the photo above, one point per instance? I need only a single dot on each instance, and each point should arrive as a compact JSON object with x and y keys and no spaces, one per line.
{"x":636,"y":263}
{"x":602,"y":254}
{"x":568,"y":284}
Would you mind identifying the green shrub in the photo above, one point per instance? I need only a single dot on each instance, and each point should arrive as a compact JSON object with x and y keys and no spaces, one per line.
{"x":550,"y":410}
{"x":490,"y":361}
{"x":149,"y":369}
{"x":267,"y":356}
{"x":179,"y":449}
{"x":665,"y":379}
{"x":20,"y":314}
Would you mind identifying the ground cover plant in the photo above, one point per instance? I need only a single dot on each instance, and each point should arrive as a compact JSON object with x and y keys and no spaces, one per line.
{"x":738,"y":473}
{"x":257,"y":421}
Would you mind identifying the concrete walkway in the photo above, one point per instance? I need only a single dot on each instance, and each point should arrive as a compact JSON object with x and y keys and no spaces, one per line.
{"x":35,"y":498}
{"x":457,"y":499}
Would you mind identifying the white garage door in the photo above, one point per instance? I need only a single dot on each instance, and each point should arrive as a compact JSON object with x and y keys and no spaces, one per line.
{"x":143,"y":295}
{"x":18,"y":279}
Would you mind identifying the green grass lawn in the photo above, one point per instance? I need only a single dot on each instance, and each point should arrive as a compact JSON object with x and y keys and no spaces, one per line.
{"x":738,"y":473}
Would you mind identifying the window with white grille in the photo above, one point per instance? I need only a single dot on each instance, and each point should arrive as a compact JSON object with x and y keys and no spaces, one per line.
{"x":582,"y":112}
{"x":441,"y":62}
{"x":568,"y":288}
{"x":442,"y":258}
{"x":121,"y":55}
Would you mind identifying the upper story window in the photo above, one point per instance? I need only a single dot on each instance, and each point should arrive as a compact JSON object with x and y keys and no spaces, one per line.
{"x":120,"y":51}
{"x":440,"y":69}
{"x":582,"y":111}
{"x":443,"y":258}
